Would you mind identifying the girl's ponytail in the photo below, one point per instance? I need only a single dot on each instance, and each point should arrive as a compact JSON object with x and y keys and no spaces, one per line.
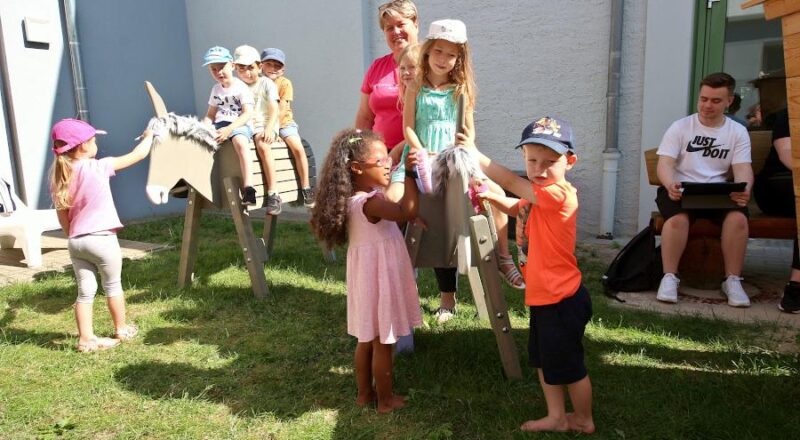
{"x":60,"y":177}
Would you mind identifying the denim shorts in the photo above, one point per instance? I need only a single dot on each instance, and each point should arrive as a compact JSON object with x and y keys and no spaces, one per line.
{"x":244,"y":130}
{"x":290,"y":129}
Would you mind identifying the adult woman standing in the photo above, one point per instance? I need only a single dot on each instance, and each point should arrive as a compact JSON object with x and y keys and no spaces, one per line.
{"x":379,"y":109}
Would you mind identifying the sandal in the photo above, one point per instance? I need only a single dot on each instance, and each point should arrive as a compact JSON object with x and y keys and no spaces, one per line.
{"x":511,"y":274}
{"x":127,"y":333}
{"x":443,"y":314}
{"x":97,"y":344}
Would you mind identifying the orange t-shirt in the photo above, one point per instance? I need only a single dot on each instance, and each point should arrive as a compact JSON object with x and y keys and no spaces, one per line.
{"x":552,"y":273}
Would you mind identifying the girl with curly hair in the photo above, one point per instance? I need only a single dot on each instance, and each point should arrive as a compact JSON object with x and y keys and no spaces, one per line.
{"x":382,"y":301}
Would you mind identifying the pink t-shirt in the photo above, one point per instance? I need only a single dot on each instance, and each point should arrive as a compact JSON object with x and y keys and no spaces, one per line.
{"x":92,"y":207}
{"x":380,"y":83}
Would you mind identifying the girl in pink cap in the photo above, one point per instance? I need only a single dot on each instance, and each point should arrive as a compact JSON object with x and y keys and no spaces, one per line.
{"x":79,"y":186}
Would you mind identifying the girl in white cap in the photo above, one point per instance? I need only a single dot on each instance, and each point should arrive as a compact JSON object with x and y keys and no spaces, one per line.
{"x":79,"y":185}
{"x":430,"y":110}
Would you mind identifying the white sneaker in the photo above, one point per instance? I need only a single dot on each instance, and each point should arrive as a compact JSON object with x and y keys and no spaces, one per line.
{"x":732,"y":288}
{"x":668,"y":288}
{"x":444,"y":314}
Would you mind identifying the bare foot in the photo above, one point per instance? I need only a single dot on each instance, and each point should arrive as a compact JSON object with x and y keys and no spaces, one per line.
{"x":396,"y":402}
{"x":365,"y":399}
{"x":546,"y":424}
{"x":577,"y":424}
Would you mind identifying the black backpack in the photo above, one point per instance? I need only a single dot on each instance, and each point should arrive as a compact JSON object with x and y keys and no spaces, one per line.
{"x":637,"y":267}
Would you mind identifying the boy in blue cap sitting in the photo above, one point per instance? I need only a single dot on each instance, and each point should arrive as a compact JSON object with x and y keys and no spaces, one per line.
{"x":230,"y":108}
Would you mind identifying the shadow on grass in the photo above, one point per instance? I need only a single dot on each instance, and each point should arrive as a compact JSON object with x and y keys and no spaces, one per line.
{"x":289,"y":356}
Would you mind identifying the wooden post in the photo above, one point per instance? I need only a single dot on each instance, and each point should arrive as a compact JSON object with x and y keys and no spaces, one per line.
{"x":194,"y":208}
{"x":478,"y":294}
{"x":253,"y":250}
{"x":270,"y":226}
{"x":495,"y":301}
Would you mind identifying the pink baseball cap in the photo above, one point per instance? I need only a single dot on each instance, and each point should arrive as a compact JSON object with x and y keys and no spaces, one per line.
{"x":72,"y":132}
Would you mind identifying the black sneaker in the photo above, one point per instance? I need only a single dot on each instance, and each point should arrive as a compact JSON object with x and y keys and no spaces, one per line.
{"x":273,"y":204}
{"x":790,"y":303}
{"x":308,"y":197}
{"x":249,"y":195}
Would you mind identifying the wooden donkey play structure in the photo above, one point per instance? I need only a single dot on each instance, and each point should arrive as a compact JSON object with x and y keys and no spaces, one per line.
{"x":457,"y":237}
{"x":212,"y":178}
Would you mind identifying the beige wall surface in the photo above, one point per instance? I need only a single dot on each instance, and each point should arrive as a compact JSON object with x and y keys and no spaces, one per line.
{"x":551,"y":58}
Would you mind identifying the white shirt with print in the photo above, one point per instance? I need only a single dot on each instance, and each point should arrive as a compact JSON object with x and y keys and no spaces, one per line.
{"x":230,"y":101}
{"x":704,"y":154}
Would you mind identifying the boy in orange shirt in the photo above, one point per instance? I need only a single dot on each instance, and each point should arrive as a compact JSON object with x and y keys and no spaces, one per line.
{"x":560,"y":306}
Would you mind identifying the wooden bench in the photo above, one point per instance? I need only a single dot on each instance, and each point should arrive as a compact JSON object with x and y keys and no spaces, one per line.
{"x":701,"y":265}
{"x":287,"y":186}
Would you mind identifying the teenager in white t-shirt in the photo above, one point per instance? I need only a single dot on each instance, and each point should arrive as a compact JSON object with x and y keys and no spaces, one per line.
{"x":702,"y":148}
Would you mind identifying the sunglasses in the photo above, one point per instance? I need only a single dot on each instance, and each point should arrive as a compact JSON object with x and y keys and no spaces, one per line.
{"x":382,"y":162}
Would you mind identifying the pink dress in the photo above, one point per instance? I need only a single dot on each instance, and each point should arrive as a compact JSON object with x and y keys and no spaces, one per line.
{"x":382,"y":298}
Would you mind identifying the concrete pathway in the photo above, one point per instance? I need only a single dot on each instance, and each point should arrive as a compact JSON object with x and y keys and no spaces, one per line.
{"x":767,"y":266}
{"x":55,"y":257}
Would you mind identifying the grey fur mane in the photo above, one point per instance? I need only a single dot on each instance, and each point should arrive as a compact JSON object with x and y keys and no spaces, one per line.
{"x":455,"y":161}
{"x":187,"y":126}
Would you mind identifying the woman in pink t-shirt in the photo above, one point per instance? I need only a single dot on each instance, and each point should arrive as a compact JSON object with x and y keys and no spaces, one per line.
{"x":379,"y":109}
{"x":79,"y":185}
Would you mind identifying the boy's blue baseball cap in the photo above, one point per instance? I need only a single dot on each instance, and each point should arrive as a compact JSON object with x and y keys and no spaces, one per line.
{"x":272,"y":53}
{"x":217,"y":54}
{"x":551,"y":132}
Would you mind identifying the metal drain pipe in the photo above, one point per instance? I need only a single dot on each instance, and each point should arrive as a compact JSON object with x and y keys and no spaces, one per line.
{"x":611,"y":153}
{"x":78,"y":85}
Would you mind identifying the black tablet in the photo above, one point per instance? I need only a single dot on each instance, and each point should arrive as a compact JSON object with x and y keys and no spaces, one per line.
{"x":710,"y":195}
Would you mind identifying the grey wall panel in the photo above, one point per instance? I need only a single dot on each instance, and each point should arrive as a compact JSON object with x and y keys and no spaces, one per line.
{"x":323,"y":42}
{"x":124,"y":43}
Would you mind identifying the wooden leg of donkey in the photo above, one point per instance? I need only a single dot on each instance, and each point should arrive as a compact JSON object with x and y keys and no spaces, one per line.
{"x":194,"y":208}
{"x":484,"y":242}
{"x":254,"y":252}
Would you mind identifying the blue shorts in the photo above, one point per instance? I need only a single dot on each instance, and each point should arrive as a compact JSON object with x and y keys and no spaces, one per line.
{"x":244,"y":130}
{"x":555,"y":338}
{"x":289,"y":130}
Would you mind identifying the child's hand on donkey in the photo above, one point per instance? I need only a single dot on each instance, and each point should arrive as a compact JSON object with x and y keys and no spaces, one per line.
{"x":223,"y":134}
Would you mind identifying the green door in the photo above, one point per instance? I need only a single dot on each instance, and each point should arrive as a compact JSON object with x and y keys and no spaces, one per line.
{"x":741,"y":43}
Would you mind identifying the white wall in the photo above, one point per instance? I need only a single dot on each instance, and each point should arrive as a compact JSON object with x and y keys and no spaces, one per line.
{"x":667,"y":72}
{"x":323,"y":42}
{"x":40,"y":84}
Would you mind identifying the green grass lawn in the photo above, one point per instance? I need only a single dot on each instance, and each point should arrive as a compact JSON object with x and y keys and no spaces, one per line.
{"x":213,"y":362}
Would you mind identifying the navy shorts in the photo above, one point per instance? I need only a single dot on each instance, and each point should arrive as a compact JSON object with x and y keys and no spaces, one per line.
{"x":668,"y":208}
{"x":555,"y":339}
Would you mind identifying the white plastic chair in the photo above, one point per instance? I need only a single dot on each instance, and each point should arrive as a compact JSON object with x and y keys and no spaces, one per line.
{"x":24,"y":227}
